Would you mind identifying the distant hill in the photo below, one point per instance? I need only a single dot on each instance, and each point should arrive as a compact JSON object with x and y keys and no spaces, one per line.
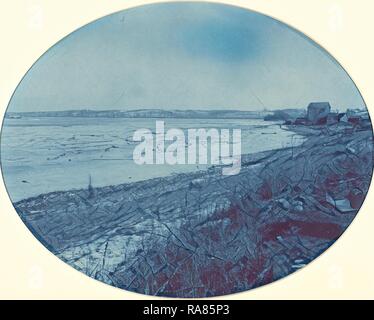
{"x":285,"y":114}
{"x":145,"y":113}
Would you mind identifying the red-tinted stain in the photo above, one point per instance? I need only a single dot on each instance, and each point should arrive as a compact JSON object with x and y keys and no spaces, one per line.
{"x":233,"y":213}
{"x":322,"y":121}
{"x":212,"y":277}
{"x":350,"y":175}
{"x":354,"y":120}
{"x":160,"y":279}
{"x":265,"y":192}
{"x":356,"y":200}
{"x":211,"y":233}
{"x":321,"y":230}
{"x":228,"y":266}
{"x":332,"y":181}
{"x":175,"y":282}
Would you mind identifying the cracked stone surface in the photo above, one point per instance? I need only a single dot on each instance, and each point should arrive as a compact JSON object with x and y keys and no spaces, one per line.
{"x":204,"y":234}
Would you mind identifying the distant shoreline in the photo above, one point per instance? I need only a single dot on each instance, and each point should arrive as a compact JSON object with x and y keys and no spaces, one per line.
{"x":147,"y":113}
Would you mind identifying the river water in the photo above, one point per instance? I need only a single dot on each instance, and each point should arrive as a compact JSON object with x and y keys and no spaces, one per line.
{"x":41,"y":155}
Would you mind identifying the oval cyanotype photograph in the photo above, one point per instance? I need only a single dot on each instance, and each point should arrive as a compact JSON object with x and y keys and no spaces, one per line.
{"x":187,"y":149}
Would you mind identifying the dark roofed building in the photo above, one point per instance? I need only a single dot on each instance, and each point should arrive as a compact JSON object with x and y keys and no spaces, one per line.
{"x":318,"y":112}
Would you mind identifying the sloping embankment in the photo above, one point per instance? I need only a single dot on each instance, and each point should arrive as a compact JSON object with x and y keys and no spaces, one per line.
{"x":202,"y":234}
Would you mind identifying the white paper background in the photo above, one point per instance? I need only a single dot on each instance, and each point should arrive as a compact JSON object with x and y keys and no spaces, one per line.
{"x":28,"y":28}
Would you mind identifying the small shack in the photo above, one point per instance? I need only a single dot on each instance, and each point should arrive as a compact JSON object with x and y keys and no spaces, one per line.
{"x":318,"y":112}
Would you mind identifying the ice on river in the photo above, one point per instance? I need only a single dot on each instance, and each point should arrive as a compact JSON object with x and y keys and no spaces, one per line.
{"x":41,"y":155}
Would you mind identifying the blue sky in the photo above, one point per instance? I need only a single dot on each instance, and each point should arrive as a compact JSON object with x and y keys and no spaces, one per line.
{"x":184,"y":55}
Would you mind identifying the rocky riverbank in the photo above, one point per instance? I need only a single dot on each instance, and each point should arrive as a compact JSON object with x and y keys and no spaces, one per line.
{"x":204,"y":234}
